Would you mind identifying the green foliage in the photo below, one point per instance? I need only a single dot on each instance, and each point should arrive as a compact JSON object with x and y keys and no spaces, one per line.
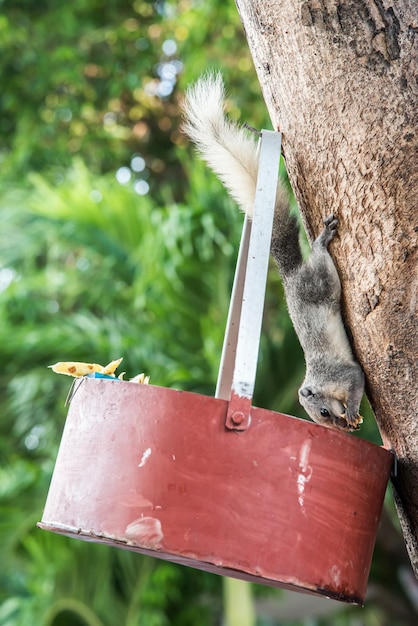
{"x":98,"y":79}
{"x":86,"y":94}
{"x":111,"y":276}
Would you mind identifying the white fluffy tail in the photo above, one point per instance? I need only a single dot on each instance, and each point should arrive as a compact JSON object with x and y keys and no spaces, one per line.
{"x":227,"y":148}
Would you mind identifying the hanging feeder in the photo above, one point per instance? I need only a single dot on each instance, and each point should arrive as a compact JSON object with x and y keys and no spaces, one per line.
{"x":215,"y":483}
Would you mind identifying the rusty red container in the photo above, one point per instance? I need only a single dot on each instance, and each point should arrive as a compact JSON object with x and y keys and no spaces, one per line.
{"x":284,"y":502}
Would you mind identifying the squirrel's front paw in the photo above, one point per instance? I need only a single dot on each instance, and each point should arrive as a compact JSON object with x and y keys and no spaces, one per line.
{"x":353,"y":421}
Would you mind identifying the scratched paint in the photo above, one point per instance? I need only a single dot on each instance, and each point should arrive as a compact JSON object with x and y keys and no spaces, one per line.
{"x":335,"y":575}
{"x":146,"y":532}
{"x":243,"y":388}
{"x":145,"y":457}
{"x":304,"y":472}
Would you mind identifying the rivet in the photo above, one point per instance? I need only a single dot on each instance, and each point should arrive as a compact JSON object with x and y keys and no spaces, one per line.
{"x":238,"y":418}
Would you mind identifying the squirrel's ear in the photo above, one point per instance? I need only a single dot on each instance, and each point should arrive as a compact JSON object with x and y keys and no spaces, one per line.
{"x":306,"y":392}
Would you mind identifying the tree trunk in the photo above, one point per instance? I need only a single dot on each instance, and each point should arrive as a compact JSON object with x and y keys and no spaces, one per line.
{"x":340,"y":79}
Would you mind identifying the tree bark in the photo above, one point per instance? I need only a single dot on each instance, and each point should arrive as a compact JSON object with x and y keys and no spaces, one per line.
{"x":340,"y":80}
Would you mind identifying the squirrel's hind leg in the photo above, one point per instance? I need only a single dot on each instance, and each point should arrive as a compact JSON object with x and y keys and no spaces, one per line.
{"x":328,"y":233}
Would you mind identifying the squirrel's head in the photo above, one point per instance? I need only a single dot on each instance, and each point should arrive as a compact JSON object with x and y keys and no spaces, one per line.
{"x":327,"y":410}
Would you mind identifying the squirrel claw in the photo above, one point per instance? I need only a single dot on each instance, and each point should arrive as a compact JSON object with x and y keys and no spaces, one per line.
{"x":329,"y":231}
{"x":331,"y":222}
{"x":328,"y":220}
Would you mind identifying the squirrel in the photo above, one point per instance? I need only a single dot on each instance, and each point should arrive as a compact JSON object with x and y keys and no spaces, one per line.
{"x":334,"y":382}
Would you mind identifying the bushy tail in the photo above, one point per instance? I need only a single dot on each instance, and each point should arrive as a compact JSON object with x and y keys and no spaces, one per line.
{"x":228,"y":149}
{"x":231,"y":152}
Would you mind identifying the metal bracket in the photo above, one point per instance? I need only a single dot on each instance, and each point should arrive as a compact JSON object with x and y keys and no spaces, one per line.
{"x":242,"y":336}
{"x":238,"y":416}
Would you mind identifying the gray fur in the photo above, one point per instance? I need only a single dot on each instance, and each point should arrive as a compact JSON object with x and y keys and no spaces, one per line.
{"x":333,"y":386}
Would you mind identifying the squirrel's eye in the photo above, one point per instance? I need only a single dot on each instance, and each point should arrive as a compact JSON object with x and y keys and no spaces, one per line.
{"x":324,"y":412}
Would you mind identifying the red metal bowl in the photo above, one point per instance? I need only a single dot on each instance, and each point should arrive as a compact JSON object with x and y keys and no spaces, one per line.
{"x":285,"y":502}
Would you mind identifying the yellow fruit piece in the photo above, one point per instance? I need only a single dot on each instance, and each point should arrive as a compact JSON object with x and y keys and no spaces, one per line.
{"x":140,"y":378}
{"x":75,"y":368}
{"x":79,"y":369}
{"x":110,"y":368}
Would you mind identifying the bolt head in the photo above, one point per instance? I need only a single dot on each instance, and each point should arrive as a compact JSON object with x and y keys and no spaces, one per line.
{"x":238,"y":418}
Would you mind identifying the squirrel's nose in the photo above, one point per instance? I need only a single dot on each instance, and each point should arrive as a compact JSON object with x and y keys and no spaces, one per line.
{"x":306,"y":392}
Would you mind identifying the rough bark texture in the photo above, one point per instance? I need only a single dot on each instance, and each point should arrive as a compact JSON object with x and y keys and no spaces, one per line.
{"x":340,"y":79}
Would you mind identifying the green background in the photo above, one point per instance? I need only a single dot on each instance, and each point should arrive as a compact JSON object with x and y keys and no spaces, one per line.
{"x":117,"y":241}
